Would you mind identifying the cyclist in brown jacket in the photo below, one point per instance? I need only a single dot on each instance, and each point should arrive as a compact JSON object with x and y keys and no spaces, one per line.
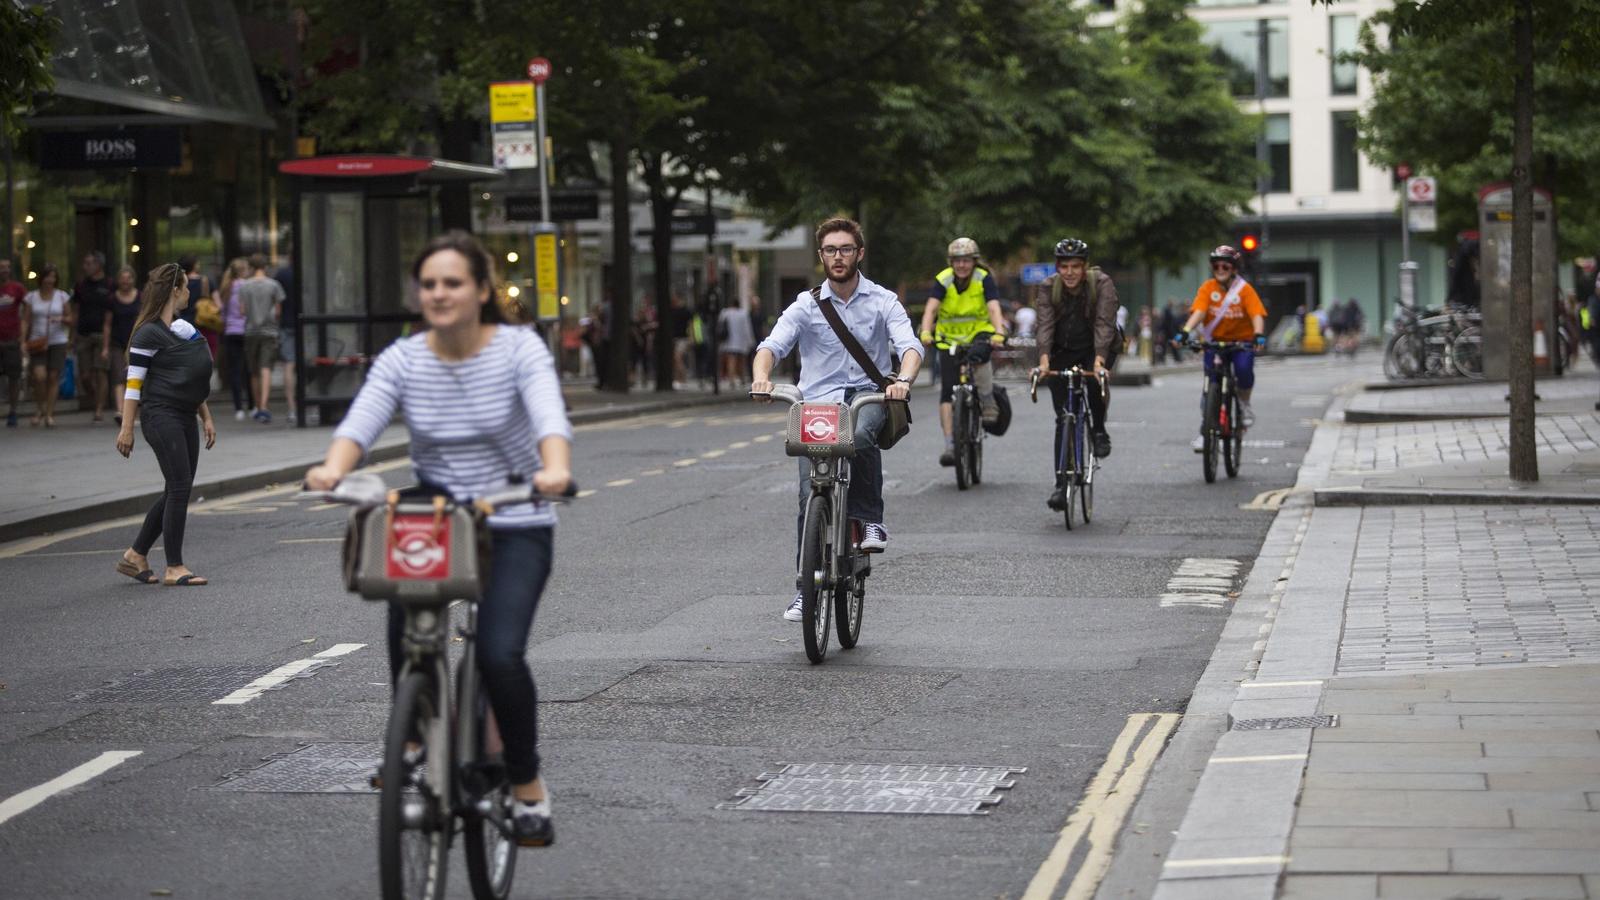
{"x":1077,"y":326}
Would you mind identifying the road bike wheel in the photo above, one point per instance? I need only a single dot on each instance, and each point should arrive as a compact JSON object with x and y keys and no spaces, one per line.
{"x":491,"y":853}
{"x":1232,"y":437}
{"x":1071,"y":447}
{"x":814,"y":552}
{"x":1211,"y":434}
{"x":958,"y":415}
{"x":849,"y":601}
{"x":1400,"y":357}
{"x":1086,"y":492}
{"x":975,"y":441}
{"x":1466,"y":352}
{"x":413,"y":824}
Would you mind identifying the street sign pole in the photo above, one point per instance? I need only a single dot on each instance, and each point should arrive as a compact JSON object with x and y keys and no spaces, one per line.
{"x":544,"y":163}
{"x":547,"y":285}
{"x":1408,"y":269}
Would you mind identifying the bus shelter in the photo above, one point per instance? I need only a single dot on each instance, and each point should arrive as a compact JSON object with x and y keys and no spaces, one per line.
{"x":360,"y":222}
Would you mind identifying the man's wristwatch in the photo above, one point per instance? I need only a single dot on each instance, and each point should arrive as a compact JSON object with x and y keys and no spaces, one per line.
{"x":903,"y":380}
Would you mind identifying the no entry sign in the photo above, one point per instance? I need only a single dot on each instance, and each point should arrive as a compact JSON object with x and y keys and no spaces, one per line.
{"x":538,"y":69}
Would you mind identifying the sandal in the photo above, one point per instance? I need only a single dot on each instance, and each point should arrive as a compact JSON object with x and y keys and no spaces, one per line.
{"x":144,"y":576}
{"x":189,"y":580}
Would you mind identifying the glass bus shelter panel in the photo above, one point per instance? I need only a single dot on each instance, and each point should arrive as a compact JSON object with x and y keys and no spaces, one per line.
{"x":399,"y":229}
{"x":335,"y":258}
{"x":336,"y":363}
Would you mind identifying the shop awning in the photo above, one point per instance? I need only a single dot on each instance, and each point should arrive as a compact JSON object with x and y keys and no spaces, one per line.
{"x":377,"y":165}
{"x":180,"y":58}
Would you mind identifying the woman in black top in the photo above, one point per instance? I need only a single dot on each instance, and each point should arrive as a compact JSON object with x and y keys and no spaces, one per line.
{"x":124,"y":312}
{"x":169,"y":374}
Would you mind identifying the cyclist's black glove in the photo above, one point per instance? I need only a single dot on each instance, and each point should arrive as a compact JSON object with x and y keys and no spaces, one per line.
{"x":1181,"y":338}
{"x":1261,"y":342}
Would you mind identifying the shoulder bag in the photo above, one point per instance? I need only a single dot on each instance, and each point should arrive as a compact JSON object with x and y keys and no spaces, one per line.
{"x":897,"y":418}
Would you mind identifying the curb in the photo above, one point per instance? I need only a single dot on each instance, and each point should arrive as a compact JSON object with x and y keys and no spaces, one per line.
{"x":1378,"y":417}
{"x":247,"y":481}
{"x":1356,"y":497}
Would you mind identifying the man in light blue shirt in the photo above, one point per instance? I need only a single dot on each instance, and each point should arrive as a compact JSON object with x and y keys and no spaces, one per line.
{"x":828,"y":372}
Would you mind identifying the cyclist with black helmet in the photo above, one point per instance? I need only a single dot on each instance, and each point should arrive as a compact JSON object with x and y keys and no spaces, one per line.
{"x":1077,"y":327}
{"x":1227,"y":308}
{"x":963,"y":308}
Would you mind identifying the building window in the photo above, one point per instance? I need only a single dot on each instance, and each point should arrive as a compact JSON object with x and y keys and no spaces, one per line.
{"x":1346,"y":158}
{"x":1236,"y":47}
{"x":1233,"y":2}
{"x":1277,"y":135}
{"x":1341,"y":39}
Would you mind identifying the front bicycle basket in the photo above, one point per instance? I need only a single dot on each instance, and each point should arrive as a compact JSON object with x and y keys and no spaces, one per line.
{"x":423,"y":552}
{"x":820,"y":429}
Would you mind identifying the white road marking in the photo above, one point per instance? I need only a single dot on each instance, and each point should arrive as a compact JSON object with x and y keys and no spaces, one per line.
{"x":738,"y":445}
{"x":1201,"y":582}
{"x":1101,"y":811}
{"x":620,"y":482}
{"x":28,"y":799}
{"x":1264,"y":444}
{"x":685,"y":463}
{"x":322,"y":506}
{"x":586,"y":492}
{"x":712,"y":454}
{"x":325,"y":540}
{"x":282,"y":674}
{"x":761,"y":438}
{"x":653,"y":472}
{"x":85,"y":552}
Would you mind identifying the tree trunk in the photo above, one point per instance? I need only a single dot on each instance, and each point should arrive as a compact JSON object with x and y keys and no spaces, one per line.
{"x":619,"y":374}
{"x":1524,"y":456}
{"x":661,"y":207}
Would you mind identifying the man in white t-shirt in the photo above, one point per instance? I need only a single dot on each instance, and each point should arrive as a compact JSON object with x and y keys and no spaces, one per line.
{"x":1024,"y":319}
{"x":735,"y":338}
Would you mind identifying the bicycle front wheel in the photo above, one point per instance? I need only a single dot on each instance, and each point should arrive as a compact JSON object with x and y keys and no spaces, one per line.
{"x":490,"y":851}
{"x":1232,"y":437}
{"x":1212,"y":432}
{"x":1073,"y":449}
{"x":413,"y":815}
{"x":958,"y":416}
{"x":815,"y":550}
{"x":1466,"y":352}
{"x":1400,"y":357}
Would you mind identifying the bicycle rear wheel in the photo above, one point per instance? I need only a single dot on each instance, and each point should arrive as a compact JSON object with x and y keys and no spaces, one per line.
{"x":1399,"y":357}
{"x":490,"y":851}
{"x":1466,"y":352}
{"x":1232,"y":436}
{"x":815,"y":550}
{"x":958,"y":416}
{"x":414,"y":825}
{"x":1211,"y":433}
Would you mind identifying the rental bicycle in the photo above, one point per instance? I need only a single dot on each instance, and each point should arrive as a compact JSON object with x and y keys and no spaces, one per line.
{"x":1075,"y":459}
{"x":441,"y":768}
{"x":833,"y":569}
{"x":1223,"y":433}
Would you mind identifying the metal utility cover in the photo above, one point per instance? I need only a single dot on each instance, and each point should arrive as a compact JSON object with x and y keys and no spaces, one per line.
{"x":872,"y":788}
{"x":180,"y":684}
{"x":336,"y":767}
{"x":1286,"y":722}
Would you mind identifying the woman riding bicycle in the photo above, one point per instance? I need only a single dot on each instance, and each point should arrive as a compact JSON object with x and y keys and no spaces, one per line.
{"x":484,"y":408}
{"x":1077,"y":327}
{"x":1231,"y":311}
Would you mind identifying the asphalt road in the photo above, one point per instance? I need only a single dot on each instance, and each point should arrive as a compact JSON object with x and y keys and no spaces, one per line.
{"x":668,"y":681}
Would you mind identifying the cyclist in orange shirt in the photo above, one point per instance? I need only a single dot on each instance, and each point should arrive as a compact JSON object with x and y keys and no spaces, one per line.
{"x":1230,"y":310}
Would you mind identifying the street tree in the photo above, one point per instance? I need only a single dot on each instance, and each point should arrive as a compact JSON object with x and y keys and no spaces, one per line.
{"x":24,"y":75}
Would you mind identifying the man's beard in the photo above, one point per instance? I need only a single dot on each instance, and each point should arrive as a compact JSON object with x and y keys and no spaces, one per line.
{"x":849,"y":274}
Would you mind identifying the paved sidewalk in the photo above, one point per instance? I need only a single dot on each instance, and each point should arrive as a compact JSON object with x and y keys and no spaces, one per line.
{"x":71,"y":475}
{"x":1422,"y":719}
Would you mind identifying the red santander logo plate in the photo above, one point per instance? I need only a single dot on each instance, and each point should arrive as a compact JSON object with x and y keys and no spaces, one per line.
{"x":417,"y":549}
{"x":819,"y":424}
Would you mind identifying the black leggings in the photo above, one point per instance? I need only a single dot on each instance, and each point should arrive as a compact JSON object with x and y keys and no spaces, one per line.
{"x":1097,"y":405}
{"x":238,"y":377}
{"x":174,"y":438}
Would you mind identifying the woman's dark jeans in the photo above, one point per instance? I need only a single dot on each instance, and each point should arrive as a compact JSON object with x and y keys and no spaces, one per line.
{"x":174,"y":438}
{"x":233,"y":349}
{"x":517,"y":577}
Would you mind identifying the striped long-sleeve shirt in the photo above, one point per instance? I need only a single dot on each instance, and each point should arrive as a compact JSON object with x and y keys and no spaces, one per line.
{"x":475,"y":424}
{"x":169,"y":367}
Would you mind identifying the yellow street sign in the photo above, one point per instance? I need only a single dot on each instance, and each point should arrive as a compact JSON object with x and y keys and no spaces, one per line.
{"x":544,"y":260}
{"x":511,"y":101}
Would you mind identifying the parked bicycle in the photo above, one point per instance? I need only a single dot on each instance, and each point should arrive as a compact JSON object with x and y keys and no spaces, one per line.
{"x":1075,"y":459}
{"x":441,"y":768}
{"x":832,"y":572}
{"x":1441,"y":343}
{"x":1223,"y":433}
{"x":966,"y":415}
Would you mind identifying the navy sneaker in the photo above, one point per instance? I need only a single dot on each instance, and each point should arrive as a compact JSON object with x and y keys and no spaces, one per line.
{"x":794,"y":612}
{"x":874,"y":537}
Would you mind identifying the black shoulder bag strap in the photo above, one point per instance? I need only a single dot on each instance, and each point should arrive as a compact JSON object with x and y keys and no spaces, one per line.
{"x":849,"y":340}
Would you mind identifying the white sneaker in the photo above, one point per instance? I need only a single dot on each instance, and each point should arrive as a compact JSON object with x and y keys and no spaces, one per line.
{"x":1198,"y":445}
{"x":874,"y":537}
{"x":238,"y":415}
{"x":1247,"y":416}
{"x":792,"y":614}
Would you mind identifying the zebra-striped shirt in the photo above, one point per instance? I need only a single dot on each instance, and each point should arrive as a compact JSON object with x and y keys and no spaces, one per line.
{"x":475,"y":424}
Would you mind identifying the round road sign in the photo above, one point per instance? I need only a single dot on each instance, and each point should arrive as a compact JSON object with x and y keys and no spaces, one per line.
{"x":538,"y":69}
{"x":1421,"y":189}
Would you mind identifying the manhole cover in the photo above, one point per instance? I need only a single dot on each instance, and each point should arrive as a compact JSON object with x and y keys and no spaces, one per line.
{"x":1286,"y":722}
{"x":181,"y":684}
{"x":337,"y":767}
{"x":868,"y":788}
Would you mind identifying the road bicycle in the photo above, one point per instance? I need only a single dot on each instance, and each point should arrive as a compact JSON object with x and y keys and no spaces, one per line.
{"x":1223,"y":433}
{"x":1075,"y":459}
{"x":427,"y":554}
{"x":832,"y":572}
{"x":1442,"y":343}
{"x":966,"y":415}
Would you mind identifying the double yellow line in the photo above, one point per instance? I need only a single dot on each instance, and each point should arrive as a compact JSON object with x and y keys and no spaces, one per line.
{"x":1103,"y":809}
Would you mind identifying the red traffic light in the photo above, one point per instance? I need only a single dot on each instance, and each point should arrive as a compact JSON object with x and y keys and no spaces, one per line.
{"x":1249,"y":243}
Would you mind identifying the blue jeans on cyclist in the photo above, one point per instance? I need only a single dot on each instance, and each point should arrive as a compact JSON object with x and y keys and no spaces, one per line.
{"x":1243,"y":363}
{"x":517,"y":577}
{"x":866,"y":476}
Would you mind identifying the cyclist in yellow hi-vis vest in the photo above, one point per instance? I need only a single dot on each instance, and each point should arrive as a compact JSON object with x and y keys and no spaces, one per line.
{"x":963,"y":308}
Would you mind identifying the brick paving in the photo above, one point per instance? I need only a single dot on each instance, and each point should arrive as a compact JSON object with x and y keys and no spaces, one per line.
{"x":1472,"y":585}
{"x":1380,"y":448}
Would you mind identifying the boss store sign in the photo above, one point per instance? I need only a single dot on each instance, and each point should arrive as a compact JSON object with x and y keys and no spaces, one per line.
{"x":120,"y":148}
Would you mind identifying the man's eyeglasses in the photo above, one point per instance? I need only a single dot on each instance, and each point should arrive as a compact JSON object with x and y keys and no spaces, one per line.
{"x":848,"y":250}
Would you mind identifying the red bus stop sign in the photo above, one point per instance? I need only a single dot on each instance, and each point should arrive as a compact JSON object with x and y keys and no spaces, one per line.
{"x":1403,"y":170}
{"x":538,"y":69}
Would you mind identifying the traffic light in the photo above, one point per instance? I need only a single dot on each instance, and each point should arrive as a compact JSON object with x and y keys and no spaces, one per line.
{"x":1248,"y":243}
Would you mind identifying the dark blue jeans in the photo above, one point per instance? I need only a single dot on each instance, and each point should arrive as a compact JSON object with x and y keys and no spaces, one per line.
{"x":517,"y":577}
{"x":866,"y":473}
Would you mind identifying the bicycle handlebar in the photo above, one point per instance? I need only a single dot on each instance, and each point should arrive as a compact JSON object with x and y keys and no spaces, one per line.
{"x":791,"y":394}
{"x":363,"y":489}
{"x":1038,"y":376}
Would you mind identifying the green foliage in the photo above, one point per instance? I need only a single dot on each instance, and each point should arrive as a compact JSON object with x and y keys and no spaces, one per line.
{"x":1443,"y":103}
{"x":25,"y":64}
